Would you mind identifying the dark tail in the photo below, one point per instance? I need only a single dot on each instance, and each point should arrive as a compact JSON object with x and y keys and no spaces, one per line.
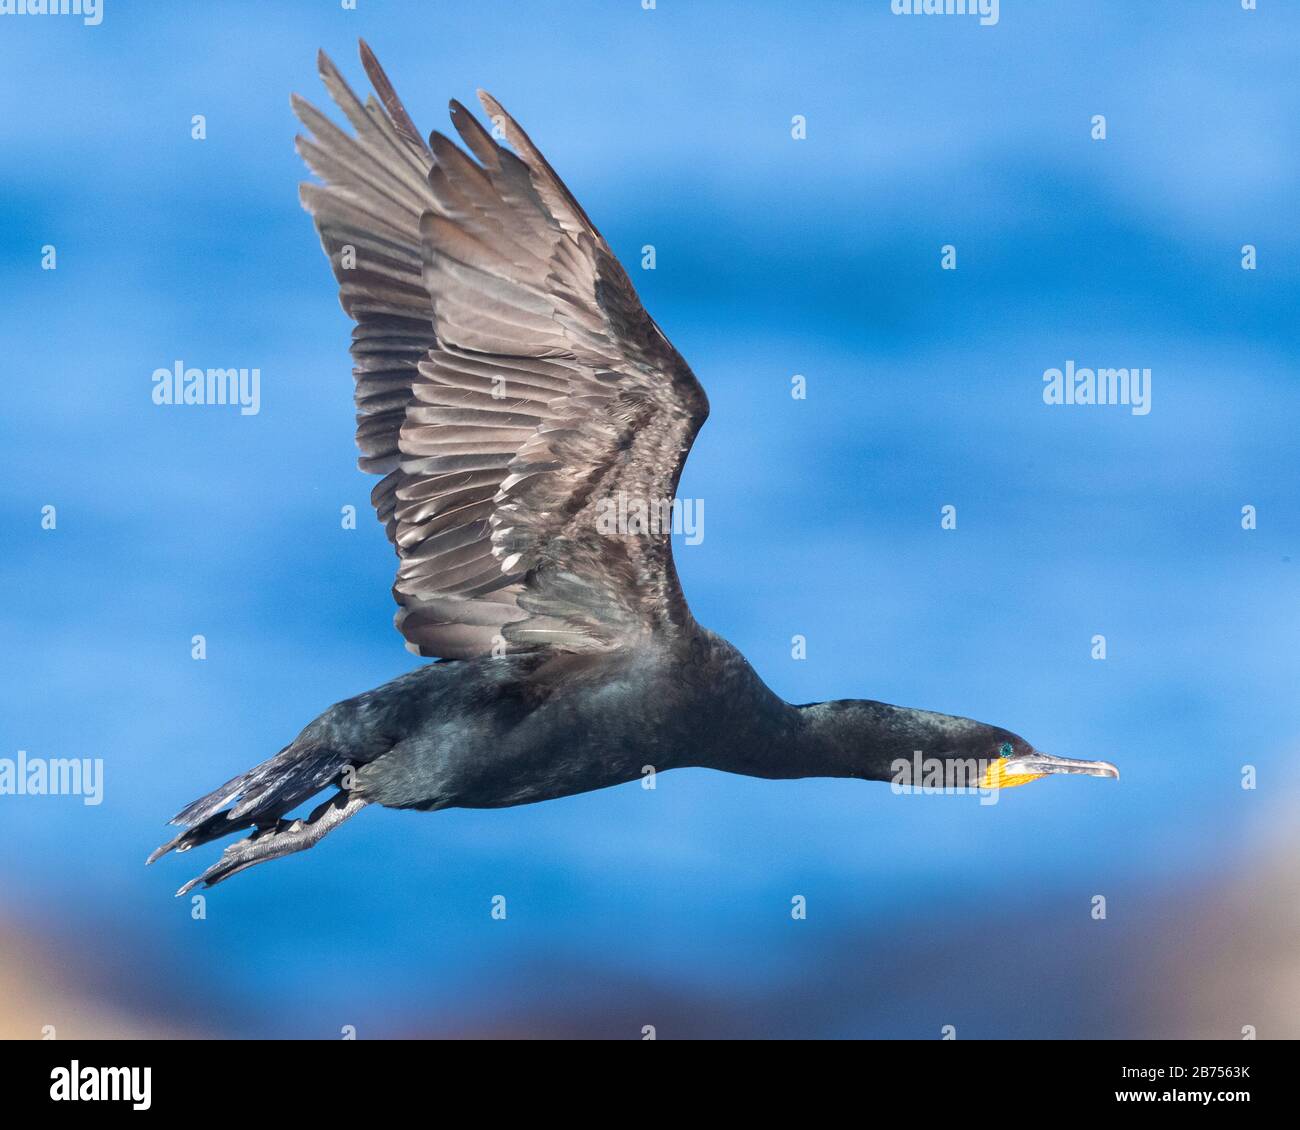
{"x":259,"y":800}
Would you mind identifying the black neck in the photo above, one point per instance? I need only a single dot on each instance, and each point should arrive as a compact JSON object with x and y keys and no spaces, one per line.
{"x":849,"y":738}
{"x":740,"y":726}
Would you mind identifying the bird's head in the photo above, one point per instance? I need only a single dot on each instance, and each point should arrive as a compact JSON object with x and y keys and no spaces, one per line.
{"x":923,"y":749}
{"x":1010,"y":760}
{"x":966,"y":754}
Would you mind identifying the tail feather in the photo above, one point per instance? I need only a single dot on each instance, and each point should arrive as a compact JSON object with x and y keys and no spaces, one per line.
{"x":259,"y":799}
{"x":285,"y":780}
{"x":205,"y":831}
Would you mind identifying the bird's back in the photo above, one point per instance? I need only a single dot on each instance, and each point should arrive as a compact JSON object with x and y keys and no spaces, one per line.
{"x":492,"y":732}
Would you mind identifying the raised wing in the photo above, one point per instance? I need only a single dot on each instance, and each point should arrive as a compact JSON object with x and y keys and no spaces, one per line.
{"x":510,"y":387}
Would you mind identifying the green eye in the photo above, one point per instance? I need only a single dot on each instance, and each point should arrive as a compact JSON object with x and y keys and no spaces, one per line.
{"x":1006,"y":750}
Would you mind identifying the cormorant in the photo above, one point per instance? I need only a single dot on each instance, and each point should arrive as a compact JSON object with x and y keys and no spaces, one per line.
{"x":509,"y":385}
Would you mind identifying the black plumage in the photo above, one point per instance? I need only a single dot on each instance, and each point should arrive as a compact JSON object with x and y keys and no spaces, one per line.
{"x":509,"y":384}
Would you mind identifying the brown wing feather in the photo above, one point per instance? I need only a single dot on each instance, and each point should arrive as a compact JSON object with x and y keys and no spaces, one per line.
{"x":508,"y":381}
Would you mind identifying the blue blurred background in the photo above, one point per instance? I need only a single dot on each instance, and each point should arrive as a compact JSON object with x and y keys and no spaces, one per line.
{"x":775,"y":257}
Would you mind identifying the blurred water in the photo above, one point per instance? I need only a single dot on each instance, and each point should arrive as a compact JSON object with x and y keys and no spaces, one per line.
{"x":775,"y":257}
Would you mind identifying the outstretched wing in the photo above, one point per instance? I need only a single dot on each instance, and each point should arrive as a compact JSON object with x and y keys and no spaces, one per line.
{"x":510,"y":386}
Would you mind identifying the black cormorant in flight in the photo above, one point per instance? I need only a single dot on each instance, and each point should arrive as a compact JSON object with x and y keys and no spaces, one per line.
{"x":509,"y":384}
